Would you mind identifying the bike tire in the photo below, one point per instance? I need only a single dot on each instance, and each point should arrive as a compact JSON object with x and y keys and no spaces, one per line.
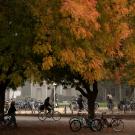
{"x":117,"y":125}
{"x":56,"y":115}
{"x":73,"y":118}
{"x":75,"y":125}
{"x":95,"y":125}
{"x":41,"y":116}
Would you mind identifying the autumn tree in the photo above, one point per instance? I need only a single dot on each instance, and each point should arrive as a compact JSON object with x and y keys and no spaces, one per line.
{"x":16,"y":40}
{"x":63,"y":42}
{"x":85,"y":40}
{"x":75,"y":41}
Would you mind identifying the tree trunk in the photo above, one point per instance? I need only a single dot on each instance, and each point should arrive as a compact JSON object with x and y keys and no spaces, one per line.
{"x":2,"y":100}
{"x":91,"y":96}
{"x":91,"y":108}
{"x":91,"y":100}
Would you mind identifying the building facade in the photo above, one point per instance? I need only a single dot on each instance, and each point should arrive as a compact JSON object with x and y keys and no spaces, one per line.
{"x":41,"y":92}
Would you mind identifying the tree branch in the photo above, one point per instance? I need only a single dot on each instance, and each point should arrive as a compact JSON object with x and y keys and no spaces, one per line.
{"x":81,"y":91}
{"x":87,"y":87}
{"x":95,"y":86}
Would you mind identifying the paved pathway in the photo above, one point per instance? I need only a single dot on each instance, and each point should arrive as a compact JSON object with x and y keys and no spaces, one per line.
{"x":32,"y":126}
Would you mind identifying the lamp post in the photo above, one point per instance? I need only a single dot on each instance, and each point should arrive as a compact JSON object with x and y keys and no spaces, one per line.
{"x":54,"y":91}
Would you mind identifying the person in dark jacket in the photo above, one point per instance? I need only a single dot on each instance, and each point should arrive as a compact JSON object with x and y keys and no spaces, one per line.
{"x":80,"y":103}
{"x":11,"y":113}
{"x":47,"y":104}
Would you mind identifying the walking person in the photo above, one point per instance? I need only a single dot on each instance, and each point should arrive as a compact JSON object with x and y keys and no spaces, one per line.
{"x":80,"y":103}
{"x":110,"y":104}
{"x":11,"y":113}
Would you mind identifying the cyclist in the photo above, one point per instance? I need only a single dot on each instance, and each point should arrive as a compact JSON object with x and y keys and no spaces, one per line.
{"x":11,"y":112}
{"x":47,"y":105}
{"x":80,"y":103}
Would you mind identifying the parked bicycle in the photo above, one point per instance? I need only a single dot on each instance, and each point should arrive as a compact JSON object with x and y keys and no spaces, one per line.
{"x":74,"y":105}
{"x":5,"y":123}
{"x":115,"y":123}
{"x":126,"y":105}
{"x":82,"y":121}
{"x":43,"y":114}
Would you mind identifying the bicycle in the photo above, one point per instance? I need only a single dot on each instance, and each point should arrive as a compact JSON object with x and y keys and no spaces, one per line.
{"x":115,"y":123}
{"x":44,"y":114}
{"x":74,"y":106}
{"x":81,"y":121}
{"x":5,"y":123}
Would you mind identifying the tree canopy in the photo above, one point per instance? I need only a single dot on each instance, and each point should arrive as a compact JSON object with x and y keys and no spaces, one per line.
{"x":94,"y":39}
{"x":66,"y":40}
{"x":16,"y":40}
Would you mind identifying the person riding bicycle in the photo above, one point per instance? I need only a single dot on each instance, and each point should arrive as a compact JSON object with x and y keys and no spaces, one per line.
{"x":80,"y":103}
{"x":11,"y":113}
{"x":47,"y":105}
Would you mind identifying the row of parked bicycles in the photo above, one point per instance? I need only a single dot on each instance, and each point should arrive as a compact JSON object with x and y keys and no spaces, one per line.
{"x":33,"y":105}
{"x":126,"y":105}
{"x":96,"y":124}
{"x":25,"y":105}
{"x":74,"y":105}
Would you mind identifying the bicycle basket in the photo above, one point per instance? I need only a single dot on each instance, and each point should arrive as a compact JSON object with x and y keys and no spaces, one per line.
{"x":41,"y":107}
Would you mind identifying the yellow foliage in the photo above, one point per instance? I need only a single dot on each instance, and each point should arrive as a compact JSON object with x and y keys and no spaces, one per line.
{"x":96,"y":63}
{"x":67,"y":56}
{"x":132,"y":9}
{"x":80,"y":53}
{"x":97,"y":74}
{"x":41,"y":48}
{"x":130,"y":53}
{"x":78,"y":66}
{"x":124,"y":31}
{"x":47,"y":63}
{"x":82,"y":12}
{"x":132,"y":82}
{"x":81,"y":32}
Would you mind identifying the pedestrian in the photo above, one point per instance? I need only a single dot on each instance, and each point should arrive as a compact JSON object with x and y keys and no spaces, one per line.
{"x":11,"y":113}
{"x":80,"y":103}
{"x":110,"y":102}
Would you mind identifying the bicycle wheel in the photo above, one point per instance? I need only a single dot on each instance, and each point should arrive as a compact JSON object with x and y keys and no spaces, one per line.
{"x":73,"y":118}
{"x":41,"y":116}
{"x":117,"y":125}
{"x":56,"y":115}
{"x":75,"y":125}
{"x":95,"y":125}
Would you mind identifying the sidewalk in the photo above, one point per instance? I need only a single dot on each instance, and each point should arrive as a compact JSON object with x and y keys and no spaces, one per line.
{"x":66,"y":112}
